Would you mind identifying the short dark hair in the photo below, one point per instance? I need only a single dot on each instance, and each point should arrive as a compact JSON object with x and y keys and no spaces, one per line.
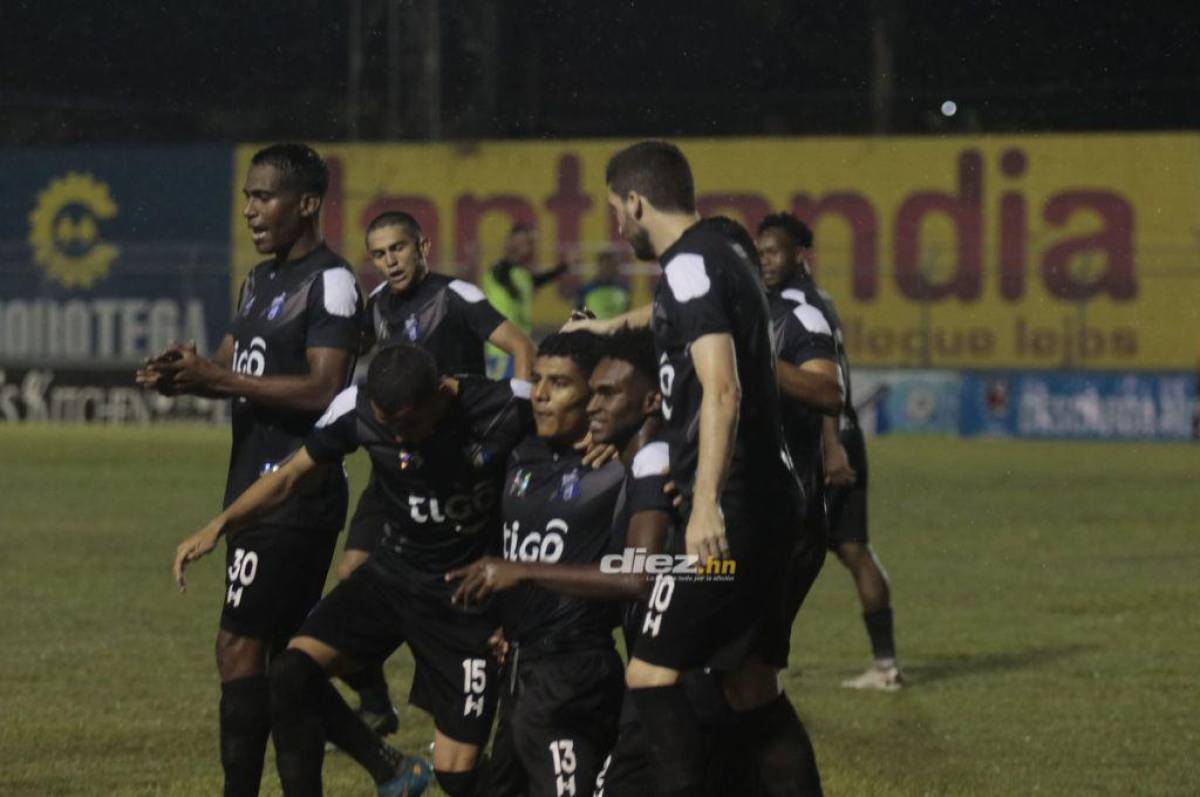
{"x":519,"y":227}
{"x":581,"y":346}
{"x":401,"y":375}
{"x":799,"y":232}
{"x":301,"y":167}
{"x":634,"y":346}
{"x":737,"y":234}
{"x":658,"y":171}
{"x":397,"y":218}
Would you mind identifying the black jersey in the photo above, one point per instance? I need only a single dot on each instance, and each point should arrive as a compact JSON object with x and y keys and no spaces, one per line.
{"x":284,"y":309}
{"x":440,"y":495}
{"x":644,"y":491}
{"x":449,"y":318}
{"x":849,"y":419}
{"x":804,"y":330}
{"x":556,"y":509}
{"x":710,"y":286}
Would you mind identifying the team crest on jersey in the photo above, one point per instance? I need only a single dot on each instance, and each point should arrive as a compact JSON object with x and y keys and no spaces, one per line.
{"x":569,"y":488}
{"x":276,"y":306}
{"x":412,"y":330}
{"x":519,"y":484}
{"x":480,"y":456}
{"x":410,"y":460}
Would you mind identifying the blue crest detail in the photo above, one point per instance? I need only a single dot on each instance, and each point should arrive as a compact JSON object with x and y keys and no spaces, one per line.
{"x":411,"y":329}
{"x":570,"y":485}
{"x":276,"y":306}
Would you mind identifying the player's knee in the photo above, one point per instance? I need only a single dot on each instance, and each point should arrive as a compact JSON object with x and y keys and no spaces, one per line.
{"x":291,"y":674}
{"x":238,"y":656}
{"x":351,"y":560}
{"x":643,"y":675}
{"x":458,"y":784}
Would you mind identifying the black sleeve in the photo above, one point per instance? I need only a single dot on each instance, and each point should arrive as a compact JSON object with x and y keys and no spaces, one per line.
{"x":368,"y":336}
{"x":806,"y":336}
{"x":334,"y":311}
{"x":549,"y":276}
{"x":700,"y":293}
{"x":474,"y":310}
{"x":335,"y":434}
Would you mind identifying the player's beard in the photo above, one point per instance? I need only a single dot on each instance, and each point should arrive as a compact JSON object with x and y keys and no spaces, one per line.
{"x":639,"y":238}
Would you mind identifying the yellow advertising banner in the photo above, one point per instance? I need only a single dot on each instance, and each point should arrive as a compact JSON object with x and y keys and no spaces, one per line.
{"x":992,"y":252}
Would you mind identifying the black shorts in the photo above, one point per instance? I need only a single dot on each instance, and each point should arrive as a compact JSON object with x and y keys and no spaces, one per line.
{"x":273,"y":576}
{"x":693,"y":622}
{"x":370,"y":516}
{"x":367,"y":616}
{"x":558,"y":722}
{"x":847,"y":506}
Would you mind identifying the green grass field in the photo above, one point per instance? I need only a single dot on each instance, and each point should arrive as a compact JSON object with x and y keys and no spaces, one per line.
{"x":1045,"y":598}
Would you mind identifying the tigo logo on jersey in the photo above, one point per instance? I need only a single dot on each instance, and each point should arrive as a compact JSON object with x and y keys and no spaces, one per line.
{"x":276,"y":306}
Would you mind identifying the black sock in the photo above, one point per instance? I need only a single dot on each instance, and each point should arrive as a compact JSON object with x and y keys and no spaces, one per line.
{"x":458,"y":784}
{"x":305,"y":710}
{"x":879,"y":629}
{"x":245,"y":714}
{"x":296,"y":723}
{"x":773,"y":736}
{"x":372,"y":688}
{"x":675,"y":745}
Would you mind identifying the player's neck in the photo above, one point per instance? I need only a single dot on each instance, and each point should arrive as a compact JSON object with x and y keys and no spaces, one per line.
{"x":302,"y":247}
{"x":643,"y":435}
{"x":670,"y":228}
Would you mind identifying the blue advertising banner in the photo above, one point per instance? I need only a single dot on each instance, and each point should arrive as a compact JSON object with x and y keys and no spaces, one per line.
{"x":108,"y":255}
{"x":1110,"y":406}
{"x":906,"y":400}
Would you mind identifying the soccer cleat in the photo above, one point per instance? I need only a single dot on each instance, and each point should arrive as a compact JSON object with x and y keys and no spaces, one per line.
{"x":885,"y":679}
{"x":413,"y":774}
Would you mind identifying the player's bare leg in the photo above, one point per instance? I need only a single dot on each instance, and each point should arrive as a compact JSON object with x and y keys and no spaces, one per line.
{"x":351,"y":560}
{"x":245,"y":711}
{"x":306,"y":708}
{"x":871,"y":581}
{"x":454,"y":765}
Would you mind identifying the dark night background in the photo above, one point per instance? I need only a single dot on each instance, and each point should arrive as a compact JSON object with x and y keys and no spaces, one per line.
{"x":140,"y":71}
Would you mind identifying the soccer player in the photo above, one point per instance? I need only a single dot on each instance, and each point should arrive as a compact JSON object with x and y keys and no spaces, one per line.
{"x":742,"y":500}
{"x":785,"y":245}
{"x":563,"y":680}
{"x":290,"y":349}
{"x":438,"y":449}
{"x":452,"y":320}
{"x":606,"y":296}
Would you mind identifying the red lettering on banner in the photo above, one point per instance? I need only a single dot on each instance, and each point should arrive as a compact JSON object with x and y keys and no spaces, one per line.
{"x":470,"y":210}
{"x":864,"y":231}
{"x":966,"y":212}
{"x":331,"y":206}
{"x":1114,"y":240}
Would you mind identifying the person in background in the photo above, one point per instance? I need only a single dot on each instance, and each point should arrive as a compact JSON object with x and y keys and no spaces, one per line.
{"x":510,"y":284}
{"x":606,"y":295}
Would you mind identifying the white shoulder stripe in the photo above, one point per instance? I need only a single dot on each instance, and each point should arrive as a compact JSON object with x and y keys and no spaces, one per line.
{"x":687,"y":277}
{"x":812,"y":319}
{"x":341,"y":292}
{"x":521,"y":388}
{"x":794,"y":295}
{"x":378,"y":289}
{"x":653,"y":460}
{"x":342,"y":404}
{"x":469,"y":292}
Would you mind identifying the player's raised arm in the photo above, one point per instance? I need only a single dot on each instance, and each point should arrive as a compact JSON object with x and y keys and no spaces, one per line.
{"x":269,"y":491}
{"x":635,"y":318}
{"x":715,"y":360}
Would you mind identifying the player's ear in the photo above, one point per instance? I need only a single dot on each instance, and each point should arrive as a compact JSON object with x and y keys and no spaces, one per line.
{"x":636,"y":205}
{"x":652,"y":403}
{"x":310,"y":205}
{"x":424,"y":246}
